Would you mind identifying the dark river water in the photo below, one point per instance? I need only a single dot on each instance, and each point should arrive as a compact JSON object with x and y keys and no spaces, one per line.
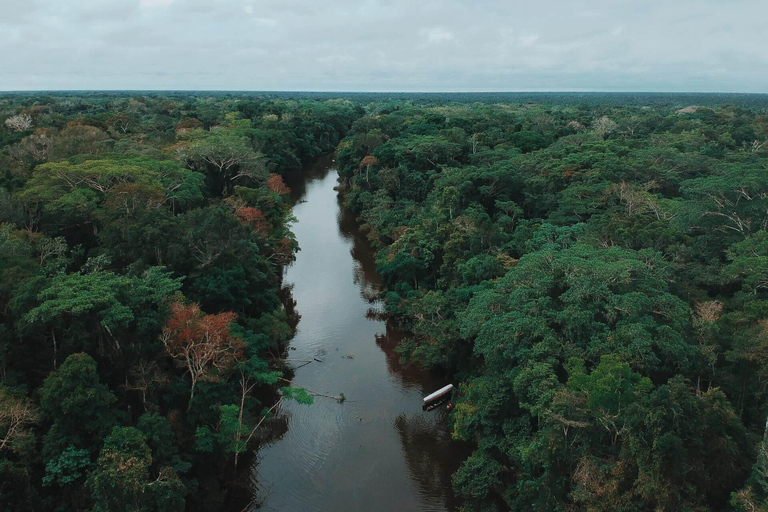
{"x":378,"y":450}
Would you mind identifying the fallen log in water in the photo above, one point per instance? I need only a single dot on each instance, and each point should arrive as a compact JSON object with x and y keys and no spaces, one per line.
{"x":341,"y":398}
{"x":304,"y":362}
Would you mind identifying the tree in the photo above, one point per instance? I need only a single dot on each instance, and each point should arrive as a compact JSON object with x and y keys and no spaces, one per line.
{"x":121,"y":122}
{"x":162,"y":441}
{"x":102,"y":302}
{"x":144,"y":377}
{"x":423,"y":152}
{"x":528,"y":141}
{"x":225,"y":158}
{"x":254,"y":218}
{"x":17,"y":415}
{"x":121,"y":480}
{"x":275,"y":184}
{"x":753,"y":497}
{"x":761,"y":126}
{"x":69,"y":468}
{"x":202,"y":344}
{"x":79,"y":406}
{"x":69,"y":193}
{"x":368,"y":162}
{"x":749,"y":262}
{"x":478,"y":476}
{"x":79,"y":139}
{"x":32,"y":149}
{"x":557,"y":304}
{"x":229,"y":433}
{"x":733,"y":201}
{"x":19,"y":123}
{"x":481,"y":268}
{"x":229,"y":266}
{"x":187,"y":125}
{"x":604,"y":126}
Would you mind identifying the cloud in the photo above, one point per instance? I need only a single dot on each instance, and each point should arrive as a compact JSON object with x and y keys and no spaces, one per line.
{"x":528,"y":40}
{"x":437,"y":35}
{"x":384,"y":45}
{"x":155,"y":3}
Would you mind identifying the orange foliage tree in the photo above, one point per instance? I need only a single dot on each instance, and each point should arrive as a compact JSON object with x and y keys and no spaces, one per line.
{"x":254,"y":218}
{"x":275,"y":184}
{"x":368,"y":162}
{"x":202,"y":344}
{"x":188,"y":124}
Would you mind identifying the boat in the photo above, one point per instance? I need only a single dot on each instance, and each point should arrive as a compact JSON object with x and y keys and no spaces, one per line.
{"x":438,"y":395}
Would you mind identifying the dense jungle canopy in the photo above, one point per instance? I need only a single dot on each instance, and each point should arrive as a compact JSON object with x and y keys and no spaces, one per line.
{"x":592,"y":269}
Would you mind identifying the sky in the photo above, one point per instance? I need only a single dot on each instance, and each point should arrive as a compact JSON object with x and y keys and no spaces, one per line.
{"x":385,"y":45}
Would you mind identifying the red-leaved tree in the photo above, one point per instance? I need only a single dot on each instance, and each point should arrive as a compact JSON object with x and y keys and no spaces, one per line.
{"x":202,"y":344}
{"x":275,"y":184}
{"x":254,"y":218}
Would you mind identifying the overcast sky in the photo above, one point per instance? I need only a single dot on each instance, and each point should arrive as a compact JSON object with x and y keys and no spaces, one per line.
{"x":380,"y":45}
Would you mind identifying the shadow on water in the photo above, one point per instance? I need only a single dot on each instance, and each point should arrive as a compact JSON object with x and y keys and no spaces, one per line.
{"x":378,"y":450}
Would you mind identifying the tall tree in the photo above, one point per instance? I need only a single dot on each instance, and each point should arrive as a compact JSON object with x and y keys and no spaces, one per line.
{"x":202,"y":344}
{"x":121,"y":480}
{"x":80,"y":408}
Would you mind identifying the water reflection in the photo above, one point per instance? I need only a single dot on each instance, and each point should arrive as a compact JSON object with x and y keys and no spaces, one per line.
{"x":429,"y":451}
{"x":378,"y":450}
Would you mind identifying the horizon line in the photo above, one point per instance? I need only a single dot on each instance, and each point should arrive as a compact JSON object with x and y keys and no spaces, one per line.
{"x":304,"y":91}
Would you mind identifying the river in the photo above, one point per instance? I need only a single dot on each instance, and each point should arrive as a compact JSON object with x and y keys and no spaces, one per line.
{"x":377,"y":450}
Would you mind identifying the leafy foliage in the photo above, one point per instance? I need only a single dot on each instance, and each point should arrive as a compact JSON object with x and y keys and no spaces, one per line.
{"x":591,"y":268}
{"x":594,"y":275}
{"x":135,"y":233}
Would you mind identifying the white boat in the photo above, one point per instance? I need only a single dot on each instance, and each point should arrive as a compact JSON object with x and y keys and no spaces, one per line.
{"x":438,"y":394}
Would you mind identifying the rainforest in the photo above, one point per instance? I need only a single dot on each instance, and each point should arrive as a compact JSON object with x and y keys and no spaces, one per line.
{"x":236,"y":301}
